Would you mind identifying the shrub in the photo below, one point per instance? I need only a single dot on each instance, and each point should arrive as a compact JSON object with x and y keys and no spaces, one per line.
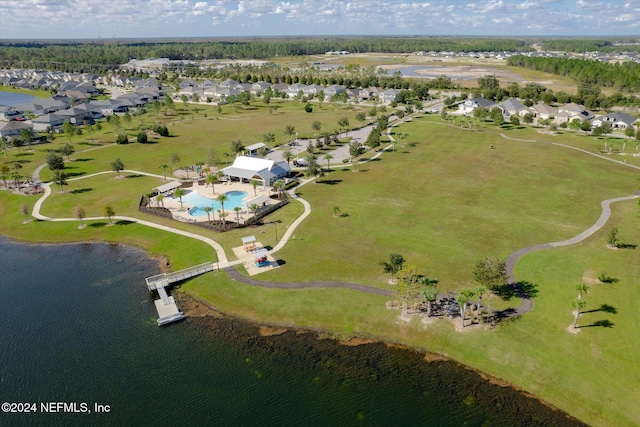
{"x":142,"y":138}
{"x":122,"y":138}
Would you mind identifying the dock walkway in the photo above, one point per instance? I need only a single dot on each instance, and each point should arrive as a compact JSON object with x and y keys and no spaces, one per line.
{"x":166,"y":306}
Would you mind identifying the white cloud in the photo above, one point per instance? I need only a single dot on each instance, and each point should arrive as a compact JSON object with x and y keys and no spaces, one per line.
{"x":131,"y":18}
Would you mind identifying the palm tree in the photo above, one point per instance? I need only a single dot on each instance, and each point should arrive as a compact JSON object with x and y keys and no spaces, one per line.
{"x":480,"y":291}
{"x":463,"y":299}
{"x":60,"y":178}
{"x":254,"y":208}
{"x":179,"y":193}
{"x":289,"y":130}
{"x":278,"y":186}
{"x":254,"y":184}
{"x":186,"y":169}
{"x":286,"y":154}
{"x":4,"y":145}
{"x":237,"y":210}
{"x":16,"y":178}
{"x":430,"y":293}
{"x":208,"y":210}
{"x":160,"y":199}
{"x":328,"y":158}
{"x":211,"y":179}
{"x":582,"y":288}
{"x":578,"y":304}
{"x":164,"y":167}
{"x":221,"y":199}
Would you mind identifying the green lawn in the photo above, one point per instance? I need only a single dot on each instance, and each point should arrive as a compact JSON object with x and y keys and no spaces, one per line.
{"x":443,"y":203}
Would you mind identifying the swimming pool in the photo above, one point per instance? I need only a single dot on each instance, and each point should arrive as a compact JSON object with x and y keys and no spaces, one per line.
{"x":200,"y":202}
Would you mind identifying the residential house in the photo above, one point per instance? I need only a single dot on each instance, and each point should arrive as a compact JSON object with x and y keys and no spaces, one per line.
{"x":617,"y":120}
{"x":571,"y":111}
{"x":8,"y":113}
{"x":49,"y":122}
{"x":334,"y":90}
{"x":543,"y":111}
{"x":12,"y":129}
{"x":472,"y":103}
{"x":259,"y":87}
{"x":512,"y":107}
{"x":388,"y":96}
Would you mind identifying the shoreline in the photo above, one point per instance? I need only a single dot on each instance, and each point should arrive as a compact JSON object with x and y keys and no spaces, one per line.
{"x":196,"y":308}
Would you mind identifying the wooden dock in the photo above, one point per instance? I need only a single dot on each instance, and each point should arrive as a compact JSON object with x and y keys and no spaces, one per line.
{"x":166,"y":306}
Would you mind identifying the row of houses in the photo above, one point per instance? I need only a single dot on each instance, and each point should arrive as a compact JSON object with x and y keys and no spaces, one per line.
{"x":563,"y":113}
{"x":49,"y":114}
{"x":220,"y":91}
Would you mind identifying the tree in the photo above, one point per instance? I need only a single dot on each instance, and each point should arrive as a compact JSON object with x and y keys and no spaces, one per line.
{"x":603,"y":129}
{"x":630,"y":131}
{"x":496,"y":116}
{"x":289,"y":130}
{"x":114,"y":121}
{"x":408,"y":285}
{"x":254,"y":183}
{"x":490,"y":272}
{"x":361,"y":117}
{"x":308,"y":108}
{"x":122,"y":138}
{"x":80,"y":214}
{"x":515,"y":120}
{"x":109,"y":212}
{"x":67,"y":150}
{"x":212,"y":179}
{"x":26,"y":137}
{"x":395,"y":263}
{"x":585,"y":126}
{"x":208,"y":210}
{"x":237,"y":147}
{"x":179,"y":193}
{"x":117,"y":165}
{"x":160,"y":200}
{"x":269,"y":138}
{"x":316,"y":126}
{"x":527,"y":118}
{"x":60,"y":178}
{"x":313,"y":169}
{"x":463,"y":300}
{"x":4,"y":173}
{"x":4,"y":145}
{"x":24,"y":210}
{"x":127,"y":119}
{"x":575,"y":124}
{"x":287,"y":155}
{"x":254,"y":208}
{"x":142,"y":138}
{"x":55,"y":161}
{"x":237,"y":210}
{"x":343,"y":122}
{"x":68,"y":129}
{"x":221,"y":199}
{"x":480,"y":291}
{"x":328,"y":158}
{"x":174,"y":159}
{"x":168,"y":105}
{"x":582,"y":289}
{"x":164,"y":168}
{"x":613,"y":238}
{"x":279,"y":187}
{"x":430,"y":293}
{"x":578,"y":305}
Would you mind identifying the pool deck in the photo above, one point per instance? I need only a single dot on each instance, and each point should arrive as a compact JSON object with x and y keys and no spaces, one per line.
{"x":205,"y":190}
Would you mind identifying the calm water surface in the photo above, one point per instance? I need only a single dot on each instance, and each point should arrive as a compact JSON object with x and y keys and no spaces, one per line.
{"x":10,"y":98}
{"x":77,"y":325}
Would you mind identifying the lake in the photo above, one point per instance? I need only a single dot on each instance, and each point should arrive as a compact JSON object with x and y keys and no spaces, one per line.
{"x":13,"y":99}
{"x":79,"y":327}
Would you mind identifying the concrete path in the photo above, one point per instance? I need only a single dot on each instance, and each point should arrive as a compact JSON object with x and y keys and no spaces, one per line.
{"x":527,"y":302}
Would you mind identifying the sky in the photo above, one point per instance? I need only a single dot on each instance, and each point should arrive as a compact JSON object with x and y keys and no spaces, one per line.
{"x":73,"y":19}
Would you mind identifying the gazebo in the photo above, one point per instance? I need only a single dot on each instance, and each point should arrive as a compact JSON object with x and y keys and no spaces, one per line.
{"x":249,"y":243}
{"x":168,"y":187}
{"x":260,"y":257}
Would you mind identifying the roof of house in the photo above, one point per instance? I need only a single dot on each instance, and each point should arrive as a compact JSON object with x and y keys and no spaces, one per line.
{"x":617,"y":116}
{"x":512,"y":105}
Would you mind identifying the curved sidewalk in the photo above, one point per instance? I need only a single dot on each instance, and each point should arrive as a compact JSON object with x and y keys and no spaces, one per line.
{"x":527,"y":302}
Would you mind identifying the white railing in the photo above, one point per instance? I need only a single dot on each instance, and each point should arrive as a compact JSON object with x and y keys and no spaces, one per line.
{"x":162,"y":280}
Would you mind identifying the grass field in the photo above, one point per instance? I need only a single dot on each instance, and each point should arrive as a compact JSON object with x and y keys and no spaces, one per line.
{"x":443,"y":201}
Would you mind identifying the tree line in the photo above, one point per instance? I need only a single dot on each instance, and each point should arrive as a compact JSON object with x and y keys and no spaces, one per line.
{"x":97,"y":56}
{"x":625,"y":76}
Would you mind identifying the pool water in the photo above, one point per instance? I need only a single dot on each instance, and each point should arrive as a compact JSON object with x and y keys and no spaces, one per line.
{"x":200,"y":202}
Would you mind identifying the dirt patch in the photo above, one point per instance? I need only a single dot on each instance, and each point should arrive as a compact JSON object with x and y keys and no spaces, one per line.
{"x":431,"y":357}
{"x":268,"y":331}
{"x":354,"y":342}
{"x":194,"y":308}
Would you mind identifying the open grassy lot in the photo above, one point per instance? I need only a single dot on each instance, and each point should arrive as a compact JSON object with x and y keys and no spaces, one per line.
{"x":443,"y":203}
